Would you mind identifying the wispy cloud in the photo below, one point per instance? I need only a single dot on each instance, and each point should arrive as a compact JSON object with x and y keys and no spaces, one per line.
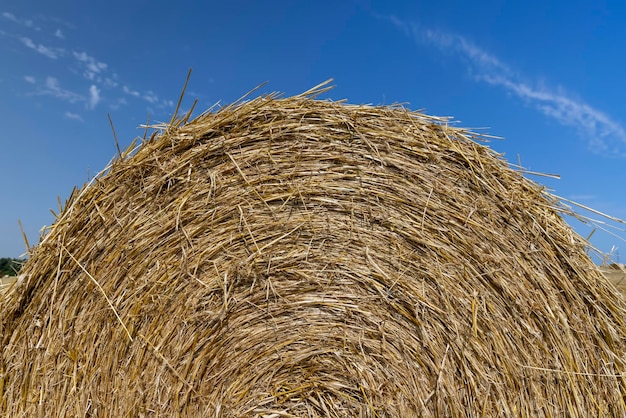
{"x":73,"y":116}
{"x":54,"y":89}
{"x":118,"y":103}
{"x":24,"y":22}
{"x":9,"y":16}
{"x":92,"y":67}
{"x":109,"y":82}
{"x":53,"y":53}
{"x":602,"y":134}
{"x":101,"y":86}
{"x":130,"y":92}
{"x":94,"y":97}
{"x":150,"y":97}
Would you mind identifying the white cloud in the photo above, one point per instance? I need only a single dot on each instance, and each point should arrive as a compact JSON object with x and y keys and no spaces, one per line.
{"x":92,"y":67}
{"x":118,"y":103}
{"x":130,"y":92}
{"x":94,"y":97}
{"x":74,"y":116}
{"x":109,"y":83}
{"x":24,"y":22}
{"x":601,"y":133}
{"x":9,"y":16}
{"x":153,"y":99}
{"x":52,"y":83}
{"x":53,"y":88}
{"x":53,"y":53}
{"x":150,"y":97}
{"x":599,"y":129}
{"x":97,"y":76}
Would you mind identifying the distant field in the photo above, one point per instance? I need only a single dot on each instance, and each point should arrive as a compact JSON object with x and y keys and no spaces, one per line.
{"x":5,"y":282}
{"x":617,"y":275}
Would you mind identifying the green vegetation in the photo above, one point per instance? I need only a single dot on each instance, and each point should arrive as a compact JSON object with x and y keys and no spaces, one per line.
{"x":10,"y":266}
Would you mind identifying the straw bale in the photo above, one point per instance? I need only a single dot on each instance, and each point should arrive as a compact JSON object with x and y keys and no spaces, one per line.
{"x":290,"y":257}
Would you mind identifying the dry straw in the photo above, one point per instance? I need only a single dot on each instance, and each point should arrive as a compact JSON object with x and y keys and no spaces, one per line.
{"x":290,"y":257}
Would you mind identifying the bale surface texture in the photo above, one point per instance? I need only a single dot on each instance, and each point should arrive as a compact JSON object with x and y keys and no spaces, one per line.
{"x":292,"y":257}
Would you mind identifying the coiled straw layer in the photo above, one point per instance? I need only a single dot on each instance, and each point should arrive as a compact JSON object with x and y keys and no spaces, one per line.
{"x":289,"y":257}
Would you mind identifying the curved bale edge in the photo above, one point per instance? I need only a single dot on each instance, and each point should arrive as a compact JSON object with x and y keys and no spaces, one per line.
{"x":299,"y":257}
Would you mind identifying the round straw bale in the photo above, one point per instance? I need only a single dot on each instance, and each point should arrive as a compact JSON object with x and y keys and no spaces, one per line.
{"x":289,"y":257}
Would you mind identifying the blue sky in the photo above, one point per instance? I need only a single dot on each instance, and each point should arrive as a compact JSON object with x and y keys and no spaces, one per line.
{"x":546,"y":76}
